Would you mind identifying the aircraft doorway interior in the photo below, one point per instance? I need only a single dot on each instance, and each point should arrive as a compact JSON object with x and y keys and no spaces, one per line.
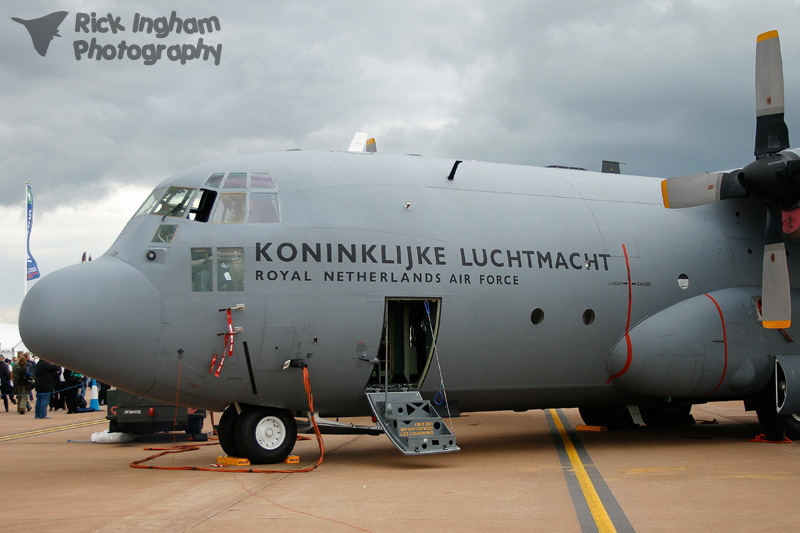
{"x":409,"y":331}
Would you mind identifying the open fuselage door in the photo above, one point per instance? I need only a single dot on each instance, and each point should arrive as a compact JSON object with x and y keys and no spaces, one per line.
{"x":408,"y":345}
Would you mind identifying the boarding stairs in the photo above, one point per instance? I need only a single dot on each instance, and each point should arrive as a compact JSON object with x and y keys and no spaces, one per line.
{"x":411,"y":423}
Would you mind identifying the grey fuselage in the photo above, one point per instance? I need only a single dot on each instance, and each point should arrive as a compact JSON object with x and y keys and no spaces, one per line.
{"x":538,"y":275}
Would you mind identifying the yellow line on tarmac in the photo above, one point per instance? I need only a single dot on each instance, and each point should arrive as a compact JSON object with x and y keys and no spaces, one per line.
{"x":45,"y":431}
{"x":599,"y":513}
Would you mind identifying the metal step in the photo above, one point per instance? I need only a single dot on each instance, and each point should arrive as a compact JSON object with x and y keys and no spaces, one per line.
{"x":332,"y":427}
{"x":411,"y":423}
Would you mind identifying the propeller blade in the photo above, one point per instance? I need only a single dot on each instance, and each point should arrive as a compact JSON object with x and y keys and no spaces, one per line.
{"x":772,"y":135}
{"x":776,"y":296}
{"x":773,"y":178}
{"x":699,"y":189}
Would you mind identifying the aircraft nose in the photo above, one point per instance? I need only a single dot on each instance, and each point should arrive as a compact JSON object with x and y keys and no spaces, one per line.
{"x":101,"y":318}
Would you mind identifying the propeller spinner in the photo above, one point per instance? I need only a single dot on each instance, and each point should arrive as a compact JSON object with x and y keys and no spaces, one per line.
{"x":773,"y":178}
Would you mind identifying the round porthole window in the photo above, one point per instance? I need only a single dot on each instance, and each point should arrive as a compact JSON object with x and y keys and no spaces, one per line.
{"x":537,"y":316}
{"x":588,"y":317}
{"x":683,"y":281}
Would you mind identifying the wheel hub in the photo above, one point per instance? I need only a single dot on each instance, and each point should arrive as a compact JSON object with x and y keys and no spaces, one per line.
{"x":270,"y":432}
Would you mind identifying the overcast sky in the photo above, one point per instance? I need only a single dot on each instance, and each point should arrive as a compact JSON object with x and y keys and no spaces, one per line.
{"x":664,"y":87}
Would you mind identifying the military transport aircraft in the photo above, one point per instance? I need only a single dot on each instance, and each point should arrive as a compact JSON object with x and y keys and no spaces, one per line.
{"x":410,"y":287}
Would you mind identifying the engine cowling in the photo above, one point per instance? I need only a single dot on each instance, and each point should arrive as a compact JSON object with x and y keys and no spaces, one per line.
{"x":709,"y":346}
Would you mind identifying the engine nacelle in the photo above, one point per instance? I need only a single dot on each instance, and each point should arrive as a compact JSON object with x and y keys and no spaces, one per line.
{"x":709,"y":346}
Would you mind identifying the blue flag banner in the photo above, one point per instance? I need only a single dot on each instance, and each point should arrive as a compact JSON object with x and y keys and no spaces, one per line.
{"x":33,"y":270}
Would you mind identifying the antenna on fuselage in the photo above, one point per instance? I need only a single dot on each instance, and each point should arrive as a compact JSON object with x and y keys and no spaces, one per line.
{"x":361,"y":143}
{"x":610,"y":167}
{"x":452,"y":175}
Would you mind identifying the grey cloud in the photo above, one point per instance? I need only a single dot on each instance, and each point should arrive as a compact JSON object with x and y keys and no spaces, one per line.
{"x":664,"y":86}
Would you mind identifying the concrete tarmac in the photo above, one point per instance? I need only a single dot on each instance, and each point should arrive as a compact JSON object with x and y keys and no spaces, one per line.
{"x":507,"y":477}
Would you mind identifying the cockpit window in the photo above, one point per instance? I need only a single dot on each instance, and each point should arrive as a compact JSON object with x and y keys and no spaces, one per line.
{"x":261,"y":180}
{"x":230,"y":208}
{"x":148,"y":204}
{"x":165,"y":233}
{"x":236,"y":180}
{"x":167,"y":202}
{"x":257,"y":202}
{"x":247,"y":197}
{"x":215,"y":179}
{"x":174,"y":203}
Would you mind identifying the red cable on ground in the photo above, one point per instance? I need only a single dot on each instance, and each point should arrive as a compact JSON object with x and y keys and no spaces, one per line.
{"x":190,"y":447}
{"x":763,"y":438}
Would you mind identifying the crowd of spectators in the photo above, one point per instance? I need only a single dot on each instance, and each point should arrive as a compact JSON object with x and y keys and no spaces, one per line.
{"x":54,"y":387}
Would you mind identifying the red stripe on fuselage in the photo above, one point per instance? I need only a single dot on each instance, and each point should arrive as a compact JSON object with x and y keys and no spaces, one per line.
{"x":724,"y":342}
{"x":628,"y":322}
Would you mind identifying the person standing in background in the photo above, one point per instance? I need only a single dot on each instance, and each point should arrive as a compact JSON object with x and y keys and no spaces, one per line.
{"x":72,"y":381}
{"x":5,"y":381}
{"x":46,"y":380}
{"x":20,"y":387}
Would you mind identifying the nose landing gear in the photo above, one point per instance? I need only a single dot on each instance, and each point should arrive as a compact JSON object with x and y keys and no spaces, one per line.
{"x":264,"y":435}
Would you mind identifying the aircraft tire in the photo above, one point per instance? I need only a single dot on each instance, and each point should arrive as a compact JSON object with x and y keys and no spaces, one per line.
{"x":791,"y":425}
{"x":591,"y":416}
{"x":226,"y":432}
{"x":667,"y":414}
{"x":772,"y":424}
{"x":613,"y":417}
{"x":777,"y":426}
{"x":265,"y":435}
